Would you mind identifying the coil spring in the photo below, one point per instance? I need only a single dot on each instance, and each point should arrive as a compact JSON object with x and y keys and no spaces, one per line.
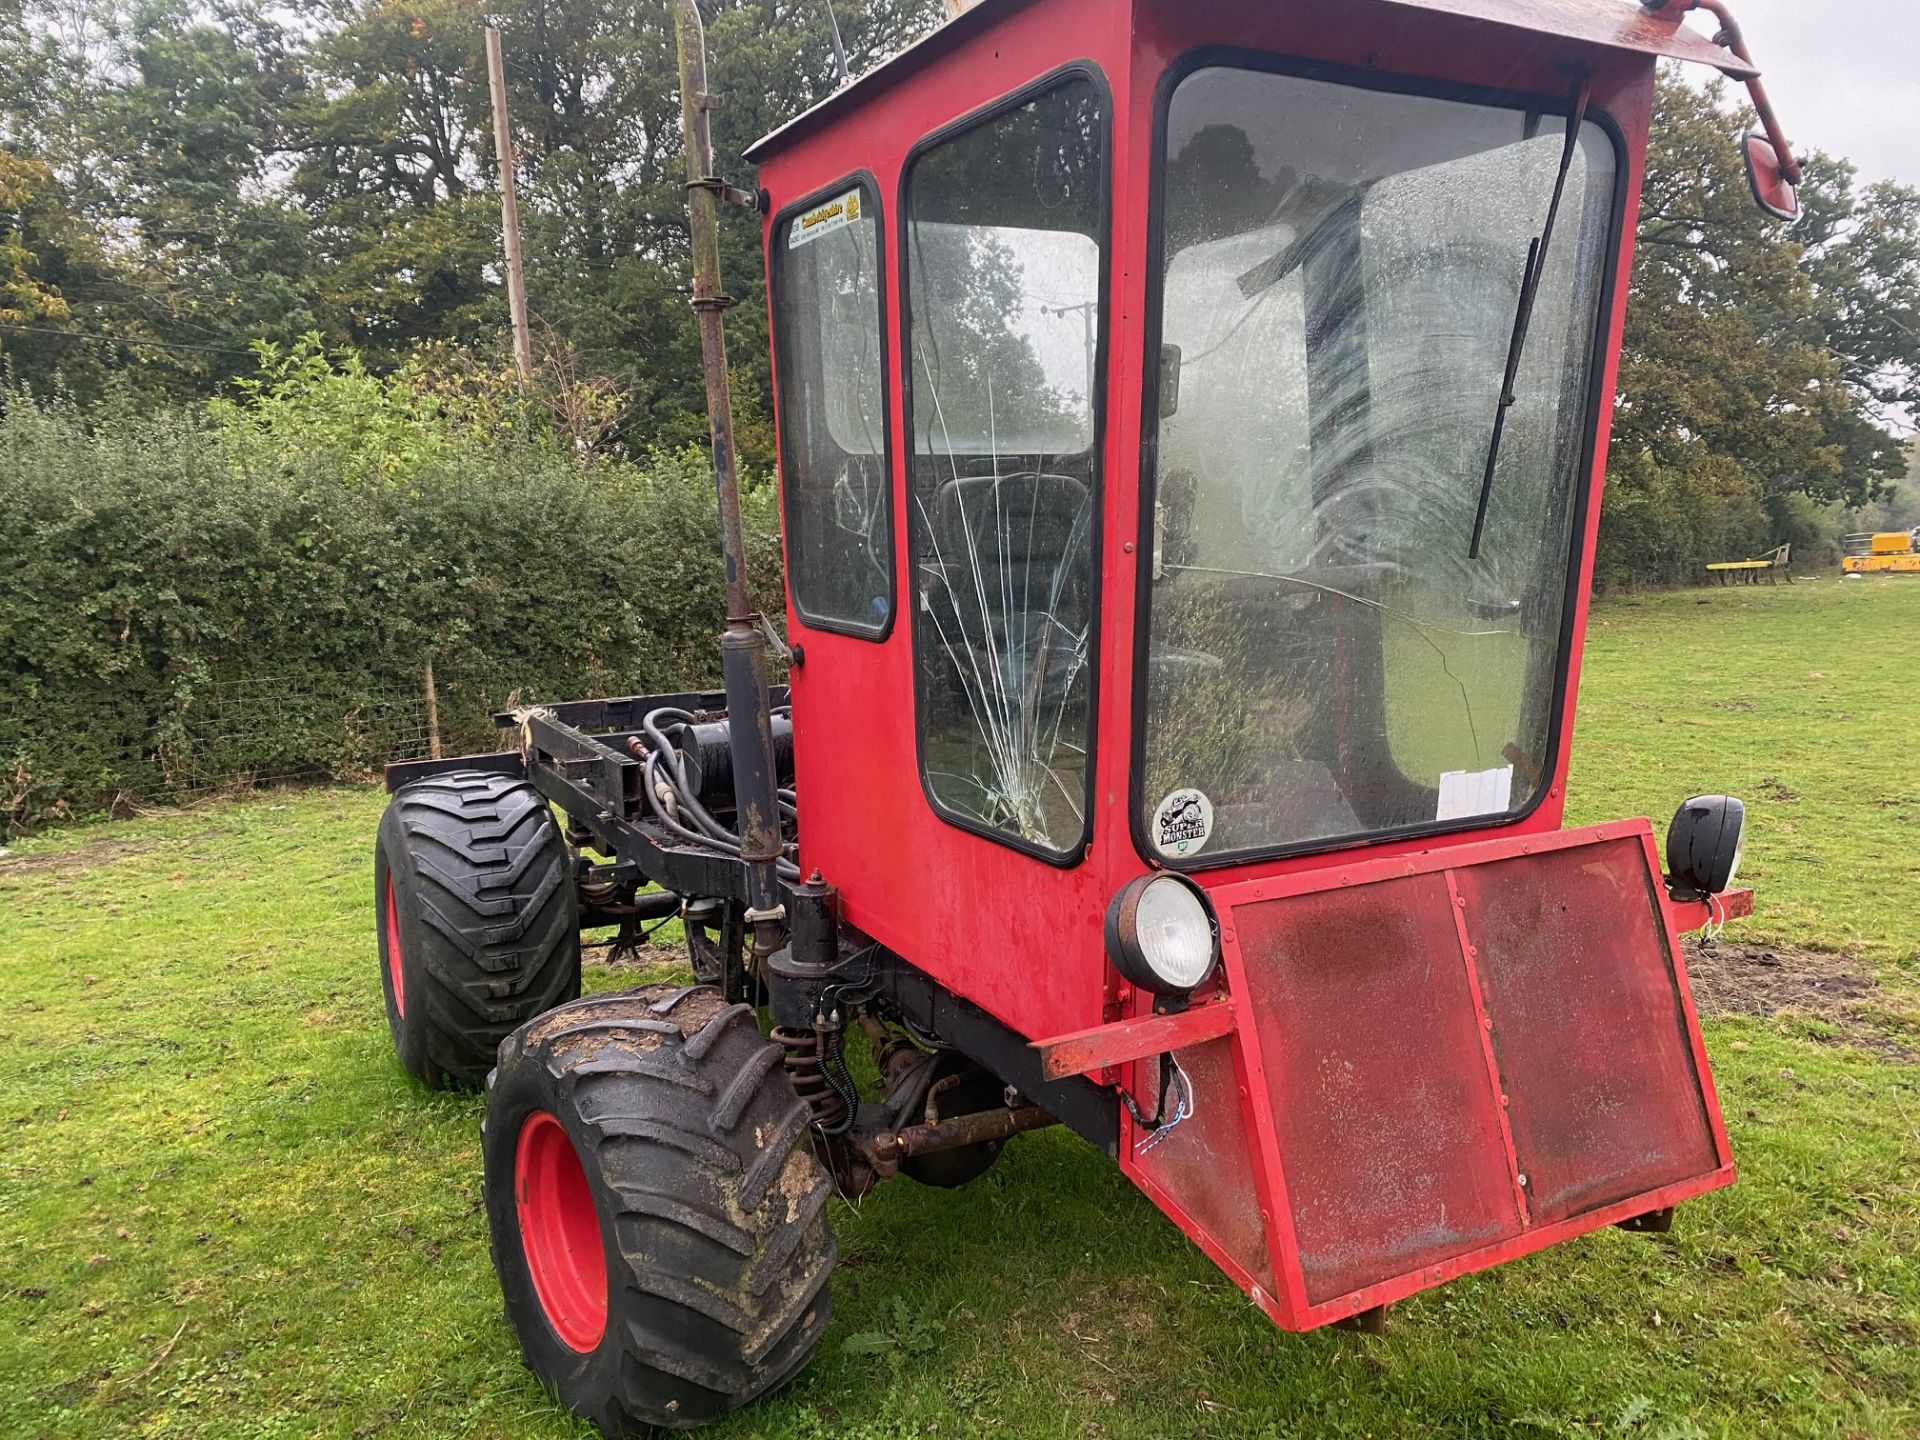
{"x":805,"y":1069}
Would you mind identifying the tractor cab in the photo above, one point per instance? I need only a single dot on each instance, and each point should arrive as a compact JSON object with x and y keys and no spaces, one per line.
{"x":1192,"y":420}
{"x":1228,"y":388}
{"x":1191,"y":423}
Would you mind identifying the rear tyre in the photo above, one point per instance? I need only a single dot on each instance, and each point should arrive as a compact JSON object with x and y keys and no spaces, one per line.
{"x":658,"y":1218}
{"x":478,"y":921}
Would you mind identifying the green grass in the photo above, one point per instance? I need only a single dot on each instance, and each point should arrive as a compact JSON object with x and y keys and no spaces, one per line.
{"x":225,"y":1212}
{"x":1803,"y":700}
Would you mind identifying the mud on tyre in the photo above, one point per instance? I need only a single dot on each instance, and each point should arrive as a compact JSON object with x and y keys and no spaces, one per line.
{"x":658,"y":1218}
{"x":478,"y":921}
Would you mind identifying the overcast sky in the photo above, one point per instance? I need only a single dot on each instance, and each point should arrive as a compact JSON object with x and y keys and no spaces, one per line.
{"x":1844,"y":75}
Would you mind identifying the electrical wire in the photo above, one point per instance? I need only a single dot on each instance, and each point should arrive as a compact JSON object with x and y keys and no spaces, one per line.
{"x":1716,"y":920}
{"x":105,"y":338}
{"x":833,"y":1069}
{"x":1183,"y":1108}
{"x":1160,"y":1121}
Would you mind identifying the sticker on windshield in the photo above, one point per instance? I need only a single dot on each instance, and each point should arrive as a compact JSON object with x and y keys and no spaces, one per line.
{"x":1465,"y":794}
{"x":836,"y":214}
{"x":1182,"y":823}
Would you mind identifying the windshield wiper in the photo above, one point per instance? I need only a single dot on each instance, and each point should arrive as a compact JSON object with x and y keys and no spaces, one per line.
{"x":1523,"y":317}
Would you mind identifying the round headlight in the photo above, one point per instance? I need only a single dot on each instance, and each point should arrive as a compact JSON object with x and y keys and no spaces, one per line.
{"x":1705,"y":845}
{"x":1162,"y":936}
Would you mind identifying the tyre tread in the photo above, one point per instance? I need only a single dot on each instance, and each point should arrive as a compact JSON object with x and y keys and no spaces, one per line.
{"x":490,"y":885}
{"x":726,"y":1269}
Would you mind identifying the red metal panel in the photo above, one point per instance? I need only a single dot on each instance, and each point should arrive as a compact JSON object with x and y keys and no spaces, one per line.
{"x":1614,"y":24}
{"x":1588,"y":1028}
{"x":1540,"y":1237}
{"x":1387,"y":1124}
{"x":1369,"y":988}
{"x":1204,"y":1165}
{"x":1015,"y":935}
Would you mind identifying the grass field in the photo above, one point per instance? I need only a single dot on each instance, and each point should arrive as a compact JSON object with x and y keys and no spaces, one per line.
{"x":225,"y":1212}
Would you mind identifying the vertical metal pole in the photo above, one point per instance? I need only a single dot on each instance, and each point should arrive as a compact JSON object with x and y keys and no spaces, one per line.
{"x":509,"y":208}
{"x":743,"y":648}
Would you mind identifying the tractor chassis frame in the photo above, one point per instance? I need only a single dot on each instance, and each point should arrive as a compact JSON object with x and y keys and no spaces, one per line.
{"x":585,"y":757}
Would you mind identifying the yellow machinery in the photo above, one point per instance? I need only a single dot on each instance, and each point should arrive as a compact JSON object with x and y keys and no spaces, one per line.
{"x":1892,"y":552}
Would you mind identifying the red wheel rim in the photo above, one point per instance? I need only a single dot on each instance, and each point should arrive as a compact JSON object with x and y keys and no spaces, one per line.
{"x":395,"y":974}
{"x":560,"y":1233}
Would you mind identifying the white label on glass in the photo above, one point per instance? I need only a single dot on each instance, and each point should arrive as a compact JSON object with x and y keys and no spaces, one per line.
{"x":1182,"y":823}
{"x":836,"y":214}
{"x":1467,"y":793}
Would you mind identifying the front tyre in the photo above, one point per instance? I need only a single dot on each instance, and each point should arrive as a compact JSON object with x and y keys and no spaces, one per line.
{"x":478,"y":921}
{"x":658,"y":1219}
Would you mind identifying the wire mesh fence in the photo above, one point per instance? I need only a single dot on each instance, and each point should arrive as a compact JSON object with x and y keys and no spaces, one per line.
{"x":268,"y":730}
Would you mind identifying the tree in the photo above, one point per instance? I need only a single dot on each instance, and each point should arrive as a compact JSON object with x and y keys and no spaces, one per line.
{"x":394,"y":171}
{"x":1862,"y":255}
{"x":1736,"y":419}
{"x":27,"y":301}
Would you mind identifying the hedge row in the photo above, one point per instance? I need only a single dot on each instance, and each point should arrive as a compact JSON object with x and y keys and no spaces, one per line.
{"x":152,"y":568}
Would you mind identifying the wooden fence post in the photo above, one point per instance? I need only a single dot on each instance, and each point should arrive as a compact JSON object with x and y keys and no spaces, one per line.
{"x":433,"y":716}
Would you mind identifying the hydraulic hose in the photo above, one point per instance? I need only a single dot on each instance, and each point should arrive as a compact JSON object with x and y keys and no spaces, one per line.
{"x":679,"y":808}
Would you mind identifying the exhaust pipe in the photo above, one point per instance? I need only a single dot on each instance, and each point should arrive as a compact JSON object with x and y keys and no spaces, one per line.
{"x":743,"y":647}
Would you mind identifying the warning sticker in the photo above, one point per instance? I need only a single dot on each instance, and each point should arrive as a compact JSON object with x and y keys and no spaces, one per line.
{"x":1182,"y":823}
{"x":834,"y":215}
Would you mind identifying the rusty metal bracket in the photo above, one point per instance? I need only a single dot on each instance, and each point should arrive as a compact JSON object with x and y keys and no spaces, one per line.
{"x":1691,"y":915}
{"x":731,"y":194}
{"x":1654,"y":1222}
{"x":1732,"y":38}
{"x":1366,"y":1322}
{"x":1087,"y":1051}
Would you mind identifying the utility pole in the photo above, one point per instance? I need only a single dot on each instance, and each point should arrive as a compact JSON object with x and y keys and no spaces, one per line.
{"x":509,"y":208}
{"x":956,"y":8}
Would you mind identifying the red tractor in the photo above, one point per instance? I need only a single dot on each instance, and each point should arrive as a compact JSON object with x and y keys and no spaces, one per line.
{"x":1192,"y":422}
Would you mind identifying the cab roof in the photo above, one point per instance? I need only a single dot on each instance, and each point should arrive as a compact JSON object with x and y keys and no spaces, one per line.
{"x":1616,"y":24}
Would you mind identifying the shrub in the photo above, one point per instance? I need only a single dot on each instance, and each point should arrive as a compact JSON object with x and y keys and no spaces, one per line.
{"x":259,"y":591}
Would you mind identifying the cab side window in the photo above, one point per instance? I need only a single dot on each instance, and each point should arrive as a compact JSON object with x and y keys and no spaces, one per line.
{"x":1003,"y":263}
{"x":833,"y":425}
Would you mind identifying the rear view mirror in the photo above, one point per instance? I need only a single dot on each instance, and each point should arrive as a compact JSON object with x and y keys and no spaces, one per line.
{"x":1771,"y":188}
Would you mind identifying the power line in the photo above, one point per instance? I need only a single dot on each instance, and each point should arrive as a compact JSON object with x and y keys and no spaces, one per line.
{"x":121,"y":339}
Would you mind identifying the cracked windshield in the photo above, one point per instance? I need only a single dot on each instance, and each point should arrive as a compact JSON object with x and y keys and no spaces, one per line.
{"x":1003,"y":264}
{"x":1344,"y":272}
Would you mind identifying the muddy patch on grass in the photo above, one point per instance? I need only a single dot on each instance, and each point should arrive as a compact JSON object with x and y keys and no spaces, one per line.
{"x":650,"y":955}
{"x":1764,"y":981}
{"x":75,"y":861}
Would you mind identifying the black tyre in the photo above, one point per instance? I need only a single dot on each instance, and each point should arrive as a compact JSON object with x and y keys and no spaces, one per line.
{"x":478,"y":920}
{"x":657,"y":1214}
